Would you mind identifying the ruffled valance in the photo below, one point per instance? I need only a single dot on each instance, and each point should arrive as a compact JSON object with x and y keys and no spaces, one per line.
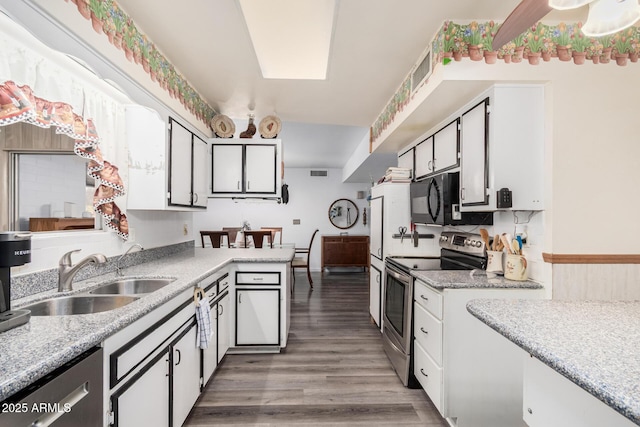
{"x":19,"y":104}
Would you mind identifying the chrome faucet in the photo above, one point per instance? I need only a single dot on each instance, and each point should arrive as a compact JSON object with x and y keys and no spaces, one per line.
{"x":122,"y":256}
{"x":67,"y":271}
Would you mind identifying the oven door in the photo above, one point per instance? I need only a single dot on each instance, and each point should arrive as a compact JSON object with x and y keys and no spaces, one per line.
{"x":397,"y":320}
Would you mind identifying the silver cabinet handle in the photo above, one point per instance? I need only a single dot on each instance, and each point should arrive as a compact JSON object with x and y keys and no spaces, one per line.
{"x":424,"y":298}
{"x":238,"y":186}
{"x":423,"y":373}
{"x":196,"y":197}
{"x":179,"y":357}
{"x":239,"y":298}
{"x":380,"y":252}
{"x":221,"y":310}
{"x":69,"y":401}
{"x":258,"y":279}
{"x":377,"y":278}
{"x":423,"y":331}
{"x":248,"y":185}
{"x":430,"y":165}
{"x":462,"y":193}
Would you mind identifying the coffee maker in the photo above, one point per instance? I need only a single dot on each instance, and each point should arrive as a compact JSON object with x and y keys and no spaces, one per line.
{"x":15,"y":249}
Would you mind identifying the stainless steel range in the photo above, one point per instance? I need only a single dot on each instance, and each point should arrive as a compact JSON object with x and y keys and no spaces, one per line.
{"x":458,"y":251}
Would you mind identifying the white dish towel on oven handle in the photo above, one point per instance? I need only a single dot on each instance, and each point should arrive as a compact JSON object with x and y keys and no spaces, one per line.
{"x":203,"y":317}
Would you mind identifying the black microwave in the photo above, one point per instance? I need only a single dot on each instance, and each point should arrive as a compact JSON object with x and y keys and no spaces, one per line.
{"x":436,"y":201}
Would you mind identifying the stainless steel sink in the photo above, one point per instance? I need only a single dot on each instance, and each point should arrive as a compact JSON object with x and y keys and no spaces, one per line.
{"x":132,"y":286}
{"x":81,"y":304}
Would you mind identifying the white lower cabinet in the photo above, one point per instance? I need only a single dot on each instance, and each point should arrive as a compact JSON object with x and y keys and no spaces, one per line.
{"x":375,"y":293}
{"x":222,"y":319}
{"x":185,"y":362}
{"x":551,"y":400}
{"x":261,"y":307}
{"x":472,"y":374}
{"x":258,"y":315}
{"x":145,"y":401}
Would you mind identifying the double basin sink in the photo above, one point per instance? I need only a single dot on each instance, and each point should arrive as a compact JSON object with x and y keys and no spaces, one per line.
{"x":109,"y":296}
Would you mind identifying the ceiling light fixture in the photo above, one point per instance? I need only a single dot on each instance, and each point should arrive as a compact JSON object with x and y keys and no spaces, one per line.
{"x":567,"y":4}
{"x":610,"y":16}
{"x":291,"y":38}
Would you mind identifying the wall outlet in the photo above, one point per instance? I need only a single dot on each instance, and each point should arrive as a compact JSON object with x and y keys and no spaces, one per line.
{"x":296,"y":222}
{"x":132,"y":234}
{"x":185,"y":229}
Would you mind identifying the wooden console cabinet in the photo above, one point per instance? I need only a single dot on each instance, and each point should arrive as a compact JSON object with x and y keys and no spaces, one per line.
{"x":56,"y":224}
{"x":345,"y":251}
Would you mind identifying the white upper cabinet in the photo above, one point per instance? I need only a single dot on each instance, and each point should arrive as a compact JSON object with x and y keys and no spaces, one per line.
{"x":405,"y":160}
{"x":180,"y":164}
{"x":502,"y":146}
{"x":424,"y":158}
{"x":242,"y":168}
{"x":261,"y":168}
{"x":164,"y":176}
{"x":445,"y":147}
{"x":439,"y":152}
{"x":188,"y":167}
{"x":474,"y":180}
{"x":227,"y":167}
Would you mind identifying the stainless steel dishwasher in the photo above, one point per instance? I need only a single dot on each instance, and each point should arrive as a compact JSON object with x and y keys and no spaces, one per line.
{"x":70,"y":396}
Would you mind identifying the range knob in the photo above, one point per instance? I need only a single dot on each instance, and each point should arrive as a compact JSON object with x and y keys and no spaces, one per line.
{"x":478,"y":243}
{"x":443,"y":238}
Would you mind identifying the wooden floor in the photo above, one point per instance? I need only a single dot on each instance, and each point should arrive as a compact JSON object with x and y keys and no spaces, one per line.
{"x":333,"y":372}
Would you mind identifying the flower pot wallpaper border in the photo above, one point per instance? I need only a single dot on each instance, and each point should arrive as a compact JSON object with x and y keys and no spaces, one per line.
{"x":108,"y":18}
{"x":562,"y":42}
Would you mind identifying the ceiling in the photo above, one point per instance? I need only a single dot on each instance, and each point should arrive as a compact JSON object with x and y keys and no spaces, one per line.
{"x":375,"y":44}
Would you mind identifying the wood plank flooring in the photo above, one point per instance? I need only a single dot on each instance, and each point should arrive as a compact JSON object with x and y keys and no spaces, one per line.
{"x":333,"y":371}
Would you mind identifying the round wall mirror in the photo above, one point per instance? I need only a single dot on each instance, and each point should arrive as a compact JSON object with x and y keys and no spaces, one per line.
{"x":343,"y":213}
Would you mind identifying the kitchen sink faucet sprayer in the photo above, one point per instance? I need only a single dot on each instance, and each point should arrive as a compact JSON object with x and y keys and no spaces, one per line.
{"x":135,"y":245}
{"x":67,"y":271}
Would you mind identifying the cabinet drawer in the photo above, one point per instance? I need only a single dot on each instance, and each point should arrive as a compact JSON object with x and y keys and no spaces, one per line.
{"x":429,"y":374}
{"x":428,"y":332}
{"x":428,"y":298}
{"x":258,"y":278}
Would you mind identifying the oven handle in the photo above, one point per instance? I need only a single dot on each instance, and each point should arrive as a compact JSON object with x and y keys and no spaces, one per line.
{"x":401,"y":277}
{"x":453,"y":261}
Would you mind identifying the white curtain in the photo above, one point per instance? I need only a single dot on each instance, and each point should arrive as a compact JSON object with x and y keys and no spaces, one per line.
{"x":55,"y":77}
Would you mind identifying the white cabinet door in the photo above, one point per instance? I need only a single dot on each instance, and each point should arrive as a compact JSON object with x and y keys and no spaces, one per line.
{"x":210,"y":354}
{"x":445,"y":147}
{"x":375,"y":292}
{"x":405,"y":160}
{"x":227,"y":168}
{"x":473,"y":151}
{"x":260,"y":168}
{"x":200,"y":178}
{"x":424,"y":158}
{"x":180,"y":160}
{"x":146,"y":402}
{"x":147,"y":142}
{"x":258,"y":316}
{"x":186,"y":376}
{"x":375,"y":241}
{"x":223,"y":313}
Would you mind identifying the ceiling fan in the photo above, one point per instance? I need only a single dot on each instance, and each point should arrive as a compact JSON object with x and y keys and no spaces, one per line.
{"x":605,"y":17}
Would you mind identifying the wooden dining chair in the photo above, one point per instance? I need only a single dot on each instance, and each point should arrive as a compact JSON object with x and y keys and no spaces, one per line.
{"x":215,"y":236}
{"x":233,"y":233}
{"x":302,"y":261}
{"x":274,"y":231}
{"x":258,"y":237}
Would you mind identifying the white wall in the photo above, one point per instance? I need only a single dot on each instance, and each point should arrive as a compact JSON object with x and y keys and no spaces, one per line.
{"x":309,"y":201}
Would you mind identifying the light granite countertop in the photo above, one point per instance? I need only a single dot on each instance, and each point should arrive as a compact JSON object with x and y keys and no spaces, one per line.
{"x":29,"y":352}
{"x":595,"y":344}
{"x":463,"y":279}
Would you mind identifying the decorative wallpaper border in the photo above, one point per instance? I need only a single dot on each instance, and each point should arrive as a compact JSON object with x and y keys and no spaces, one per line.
{"x":109,"y":19}
{"x":562,"y":42}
